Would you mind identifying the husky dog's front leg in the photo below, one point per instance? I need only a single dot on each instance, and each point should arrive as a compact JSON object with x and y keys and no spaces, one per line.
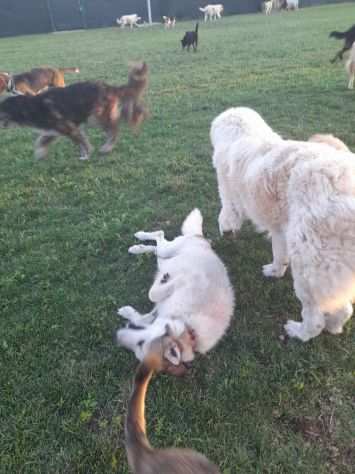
{"x":136,"y":318}
{"x":279,"y":265}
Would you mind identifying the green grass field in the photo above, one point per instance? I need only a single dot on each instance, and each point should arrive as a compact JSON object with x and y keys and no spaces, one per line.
{"x":255,"y":404}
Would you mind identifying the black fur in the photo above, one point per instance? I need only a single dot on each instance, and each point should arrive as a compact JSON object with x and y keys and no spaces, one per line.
{"x":349,"y":38}
{"x":190,"y":39}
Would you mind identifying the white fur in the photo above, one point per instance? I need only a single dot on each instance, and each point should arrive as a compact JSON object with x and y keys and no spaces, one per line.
{"x":303,"y":194}
{"x":212,"y":12}
{"x":169,"y":22}
{"x":350,"y":67}
{"x":267,"y":7}
{"x":197,"y":294}
{"x":128,"y":20}
{"x":292,"y":4}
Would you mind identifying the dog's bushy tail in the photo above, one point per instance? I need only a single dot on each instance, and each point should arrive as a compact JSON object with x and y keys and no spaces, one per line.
{"x":133,"y":110}
{"x":337,"y":34}
{"x":192,"y":225}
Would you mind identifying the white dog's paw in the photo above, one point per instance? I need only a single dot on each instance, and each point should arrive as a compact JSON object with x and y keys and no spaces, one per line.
{"x":127,"y":312}
{"x":274,"y":271}
{"x":295,"y":329}
{"x":140,"y":235}
{"x":137,"y":249}
{"x":228,"y":222}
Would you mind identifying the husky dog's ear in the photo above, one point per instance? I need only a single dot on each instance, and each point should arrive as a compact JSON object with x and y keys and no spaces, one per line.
{"x":172,"y":353}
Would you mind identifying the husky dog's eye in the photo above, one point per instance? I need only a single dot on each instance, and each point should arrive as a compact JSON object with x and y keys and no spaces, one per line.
{"x":165,"y":278}
{"x":140,"y":343}
{"x":173,"y":352}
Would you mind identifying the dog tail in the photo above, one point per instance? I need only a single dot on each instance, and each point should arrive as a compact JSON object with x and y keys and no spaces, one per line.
{"x":69,"y":69}
{"x":202,"y":9}
{"x":192,"y":225}
{"x":337,"y":34}
{"x":137,"y":443}
{"x":133,"y":111}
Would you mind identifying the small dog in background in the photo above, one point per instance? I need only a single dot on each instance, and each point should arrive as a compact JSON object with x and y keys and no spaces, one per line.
{"x":35,"y":81}
{"x":190,"y":39}
{"x":61,"y":111}
{"x":142,"y":457}
{"x":212,"y":12}
{"x":267,"y":7}
{"x":193,"y":298}
{"x":350,"y":67}
{"x":169,"y":22}
{"x":128,"y":20}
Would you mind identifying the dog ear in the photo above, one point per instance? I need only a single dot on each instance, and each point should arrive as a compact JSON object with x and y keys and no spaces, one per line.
{"x":172,"y":353}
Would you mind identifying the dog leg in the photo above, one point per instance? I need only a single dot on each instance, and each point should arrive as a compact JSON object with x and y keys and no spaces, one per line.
{"x":229,"y":219}
{"x":110,"y":141}
{"x":136,"y":318}
{"x":139,"y":249}
{"x":351,"y":81}
{"x":81,"y":139}
{"x":41,"y":145}
{"x":312,"y":325}
{"x":334,"y":322}
{"x":279,"y":265}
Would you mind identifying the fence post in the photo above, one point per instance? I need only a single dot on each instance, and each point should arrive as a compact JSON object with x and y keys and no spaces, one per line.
{"x":50,"y":13}
{"x":149,"y":7}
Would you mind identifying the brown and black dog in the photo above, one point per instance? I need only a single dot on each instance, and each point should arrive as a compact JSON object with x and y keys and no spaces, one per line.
{"x":142,"y":457}
{"x":61,"y":111}
{"x":35,"y":81}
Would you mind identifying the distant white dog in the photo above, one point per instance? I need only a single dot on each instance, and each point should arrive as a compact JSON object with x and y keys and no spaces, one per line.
{"x":212,"y":12}
{"x":169,"y":22}
{"x":292,"y":4}
{"x":350,"y":67}
{"x":193,"y":297}
{"x":267,"y":7}
{"x":303,"y":194}
{"x":128,"y":20}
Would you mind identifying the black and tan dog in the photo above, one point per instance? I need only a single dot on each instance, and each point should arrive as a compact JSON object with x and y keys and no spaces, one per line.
{"x":35,"y":81}
{"x":61,"y":111}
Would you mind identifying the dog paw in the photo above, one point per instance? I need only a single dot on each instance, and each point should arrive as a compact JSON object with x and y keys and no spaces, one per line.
{"x":137,"y":249}
{"x":84,"y":158}
{"x":227,"y":222}
{"x":295,"y":329}
{"x":274,"y":271}
{"x":126,"y":312}
{"x":140,"y":235}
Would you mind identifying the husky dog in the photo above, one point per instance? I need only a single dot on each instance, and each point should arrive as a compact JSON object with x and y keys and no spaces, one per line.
{"x":303,"y":194}
{"x":193,"y":297}
{"x":169,"y":22}
{"x":142,"y":457}
{"x":61,"y":111}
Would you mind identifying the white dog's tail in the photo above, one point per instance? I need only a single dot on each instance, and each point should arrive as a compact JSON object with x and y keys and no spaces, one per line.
{"x":192,"y":225}
{"x":202,"y":9}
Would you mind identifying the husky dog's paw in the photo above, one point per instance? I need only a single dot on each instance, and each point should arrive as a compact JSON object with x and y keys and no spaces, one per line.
{"x":127,"y":312}
{"x":274,"y":271}
{"x":137,"y":249}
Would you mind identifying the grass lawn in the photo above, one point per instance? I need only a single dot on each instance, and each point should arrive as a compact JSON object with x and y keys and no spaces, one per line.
{"x":255,"y":404}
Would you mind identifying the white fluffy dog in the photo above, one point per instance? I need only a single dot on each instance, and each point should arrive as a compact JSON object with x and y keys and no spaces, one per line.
{"x":212,"y":12}
{"x":303,"y":194}
{"x":128,"y":20}
{"x":193,"y":297}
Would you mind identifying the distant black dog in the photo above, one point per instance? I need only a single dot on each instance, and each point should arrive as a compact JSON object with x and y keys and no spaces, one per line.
{"x":349,"y":38}
{"x":190,"y":39}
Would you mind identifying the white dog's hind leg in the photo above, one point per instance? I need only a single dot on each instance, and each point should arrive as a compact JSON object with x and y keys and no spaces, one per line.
{"x":334,"y":322}
{"x":279,"y":265}
{"x":138,"y":249}
{"x":312,"y":325}
{"x":351,"y":82}
{"x":228,"y":220}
